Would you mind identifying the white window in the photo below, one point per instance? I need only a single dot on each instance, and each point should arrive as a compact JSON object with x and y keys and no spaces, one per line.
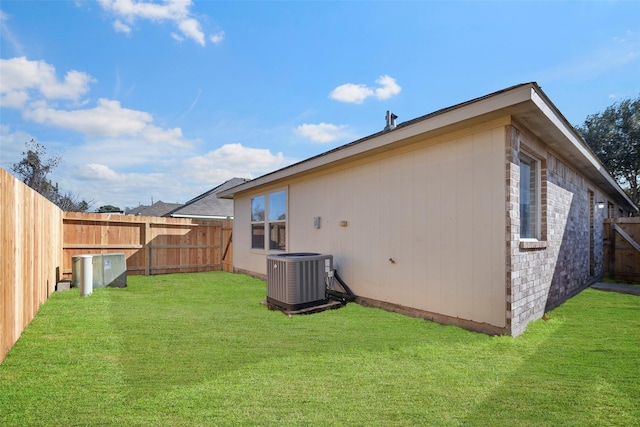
{"x":269,"y":219}
{"x":529,"y":198}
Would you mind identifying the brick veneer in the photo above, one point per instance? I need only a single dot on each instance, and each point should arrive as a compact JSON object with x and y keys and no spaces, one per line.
{"x":542,"y":275}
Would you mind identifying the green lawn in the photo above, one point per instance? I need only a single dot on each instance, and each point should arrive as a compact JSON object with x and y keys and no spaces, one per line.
{"x":199,"y":349}
{"x":610,"y":280}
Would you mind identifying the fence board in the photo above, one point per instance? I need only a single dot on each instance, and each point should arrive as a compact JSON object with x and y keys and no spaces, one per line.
{"x":622,"y":257}
{"x":152,"y":245}
{"x":31,"y":253}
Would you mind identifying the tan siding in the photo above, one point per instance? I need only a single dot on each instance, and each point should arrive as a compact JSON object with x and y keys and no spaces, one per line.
{"x":432,"y":236}
{"x":437,"y":208}
{"x":489,"y":228}
{"x":466,"y":210}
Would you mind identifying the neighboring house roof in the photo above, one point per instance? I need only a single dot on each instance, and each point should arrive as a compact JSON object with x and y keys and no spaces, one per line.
{"x":525,"y":103}
{"x":208,"y":205}
{"x":136,"y":210}
{"x":159,"y":208}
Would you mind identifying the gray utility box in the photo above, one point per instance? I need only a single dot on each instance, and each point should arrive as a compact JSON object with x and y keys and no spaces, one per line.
{"x":108,"y":270}
{"x":297,"y":280}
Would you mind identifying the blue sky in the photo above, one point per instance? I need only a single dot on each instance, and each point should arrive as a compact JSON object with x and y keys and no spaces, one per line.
{"x":165,"y":100}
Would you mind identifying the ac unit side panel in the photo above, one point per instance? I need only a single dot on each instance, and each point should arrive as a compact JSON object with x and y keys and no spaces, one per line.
{"x":114,"y":270}
{"x":108,"y":270}
{"x":310,"y":281}
{"x":276,"y":280}
{"x":297,"y":281}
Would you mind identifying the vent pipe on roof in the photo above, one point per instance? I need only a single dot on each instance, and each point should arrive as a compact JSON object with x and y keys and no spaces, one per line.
{"x":391,"y":121}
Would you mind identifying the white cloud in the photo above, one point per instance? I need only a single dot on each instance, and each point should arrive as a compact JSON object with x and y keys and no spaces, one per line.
{"x":358,"y":93}
{"x":30,"y":86}
{"x":156,"y":134}
{"x":121,"y":27}
{"x":20,"y":75}
{"x":322,"y":132}
{"x":108,"y":119}
{"x":121,"y":182}
{"x":12,"y":145}
{"x":389,"y":87}
{"x":103,"y":185}
{"x":191,"y":28}
{"x":96,"y":171}
{"x":217,"y":38}
{"x":233,"y":160}
{"x":176,"y":11}
{"x":131,"y":9}
{"x":350,"y":92}
{"x":15,"y":99}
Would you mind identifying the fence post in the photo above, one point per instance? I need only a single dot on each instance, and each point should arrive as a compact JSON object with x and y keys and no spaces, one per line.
{"x":147,"y":248}
{"x":612,"y":249}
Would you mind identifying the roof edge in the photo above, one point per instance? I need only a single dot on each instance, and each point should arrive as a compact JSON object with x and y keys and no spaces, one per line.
{"x":510,"y":96}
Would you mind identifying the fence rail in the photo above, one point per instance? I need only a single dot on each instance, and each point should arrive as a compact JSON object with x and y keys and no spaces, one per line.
{"x":622,"y":248}
{"x":151,"y":245}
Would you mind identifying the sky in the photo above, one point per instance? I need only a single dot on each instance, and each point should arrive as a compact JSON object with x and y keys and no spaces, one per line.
{"x":148,"y":101}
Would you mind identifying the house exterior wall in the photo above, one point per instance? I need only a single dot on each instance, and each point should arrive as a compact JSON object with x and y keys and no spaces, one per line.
{"x":425,"y":225}
{"x":542,"y":276}
{"x":425,"y":219}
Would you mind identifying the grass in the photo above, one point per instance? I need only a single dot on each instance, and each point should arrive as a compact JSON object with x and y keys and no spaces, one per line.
{"x":199,"y":349}
{"x":621,"y":282}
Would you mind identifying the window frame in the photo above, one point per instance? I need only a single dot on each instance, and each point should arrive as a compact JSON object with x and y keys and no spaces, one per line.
{"x":268,"y":224}
{"x":257,"y":219}
{"x":534,"y":164}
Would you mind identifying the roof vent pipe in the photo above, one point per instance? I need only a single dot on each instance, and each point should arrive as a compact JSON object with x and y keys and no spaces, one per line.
{"x":391,"y":121}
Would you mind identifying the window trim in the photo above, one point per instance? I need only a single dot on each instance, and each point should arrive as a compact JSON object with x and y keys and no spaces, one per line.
{"x":267,"y":223}
{"x":253,"y":222}
{"x":531,"y":242}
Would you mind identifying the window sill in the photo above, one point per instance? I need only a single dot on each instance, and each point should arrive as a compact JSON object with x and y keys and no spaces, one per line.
{"x":533,"y":244}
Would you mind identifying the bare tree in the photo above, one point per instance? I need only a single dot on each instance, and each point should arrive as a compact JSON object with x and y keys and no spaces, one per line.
{"x":34,"y":169}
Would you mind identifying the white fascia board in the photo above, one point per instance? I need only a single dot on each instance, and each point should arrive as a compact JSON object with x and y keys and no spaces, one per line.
{"x":201,"y":216}
{"x":567,"y":131}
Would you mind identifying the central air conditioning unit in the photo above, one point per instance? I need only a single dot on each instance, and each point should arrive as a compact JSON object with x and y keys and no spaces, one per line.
{"x":297,"y":280}
{"x":108,"y":270}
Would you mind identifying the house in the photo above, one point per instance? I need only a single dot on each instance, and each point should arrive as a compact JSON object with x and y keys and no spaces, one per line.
{"x":159,"y":208}
{"x":136,"y":210}
{"x":484,"y":214}
{"x":208,"y":205}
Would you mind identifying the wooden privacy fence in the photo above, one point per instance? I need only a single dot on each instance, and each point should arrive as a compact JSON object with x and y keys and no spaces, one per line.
{"x":30,"y":256}
{"x":622,"y":248}
{"x":38,"y":241}
{"x":152,"y":245}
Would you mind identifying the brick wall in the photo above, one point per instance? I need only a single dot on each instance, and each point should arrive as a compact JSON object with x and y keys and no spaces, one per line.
{"x":542,"y":275}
